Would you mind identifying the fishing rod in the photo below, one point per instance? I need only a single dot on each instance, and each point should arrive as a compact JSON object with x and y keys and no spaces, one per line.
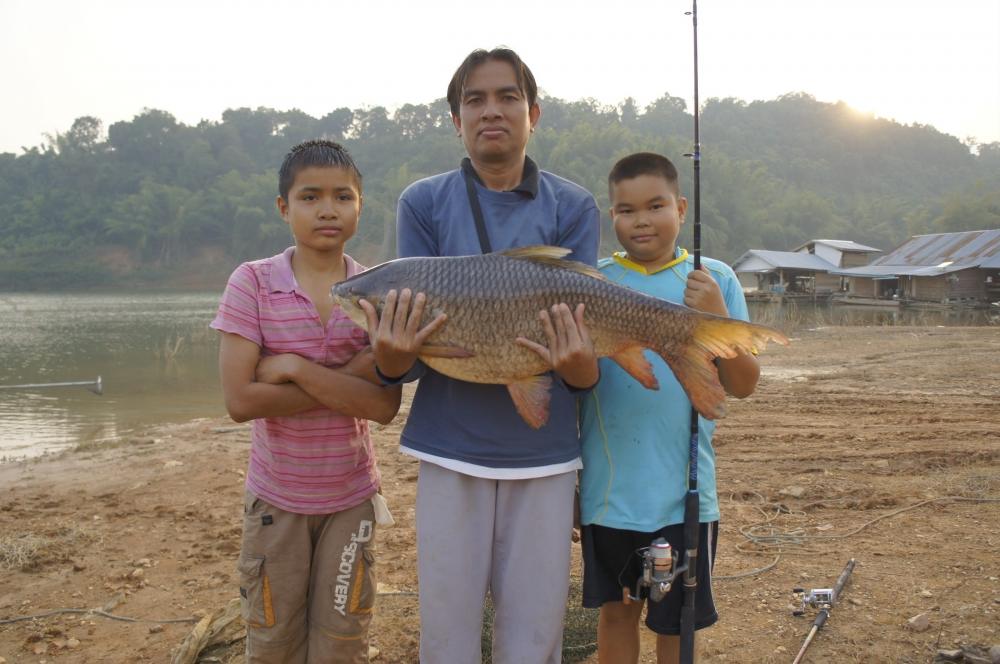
{"x":661,"y":566}
{"x":824,"y":598}
{"x":691,"y":499}
{"x":95,"y":386}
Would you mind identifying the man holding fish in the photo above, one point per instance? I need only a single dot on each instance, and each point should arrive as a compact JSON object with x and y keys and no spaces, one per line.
{"x":494,"y":494}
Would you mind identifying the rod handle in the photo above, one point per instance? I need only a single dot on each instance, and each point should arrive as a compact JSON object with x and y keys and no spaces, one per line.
{"x":687,"y":631}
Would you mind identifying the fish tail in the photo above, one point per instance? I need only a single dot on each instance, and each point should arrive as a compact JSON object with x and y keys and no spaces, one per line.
{"x":722,"y":337}
{"x":693,"y":361}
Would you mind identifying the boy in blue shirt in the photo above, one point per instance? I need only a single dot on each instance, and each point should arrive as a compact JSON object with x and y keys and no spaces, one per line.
{"x":635,"y":441}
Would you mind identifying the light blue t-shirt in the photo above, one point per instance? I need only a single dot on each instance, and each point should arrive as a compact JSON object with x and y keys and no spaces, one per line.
{"x":635,"y":440}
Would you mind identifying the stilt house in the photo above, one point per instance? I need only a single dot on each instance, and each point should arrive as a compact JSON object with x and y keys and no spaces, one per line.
{"x":806,"y":271}
{"x":942,"y":268}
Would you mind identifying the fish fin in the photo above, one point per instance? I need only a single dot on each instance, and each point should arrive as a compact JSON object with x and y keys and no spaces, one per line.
{"x":723,"y":336}
{"x":531,"y":399}
{"x":713,"y":336}
{"x":552,"y":256}
{"x":697,"y":374}
{"x":438,"y":350}
{"x":635,"y":364}
{"x":536,"y":251}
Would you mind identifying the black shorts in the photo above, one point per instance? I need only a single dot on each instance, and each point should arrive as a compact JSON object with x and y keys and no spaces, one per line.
{"x":611,"y":562}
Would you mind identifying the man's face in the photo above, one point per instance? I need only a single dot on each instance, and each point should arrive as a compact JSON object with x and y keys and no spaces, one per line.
{"x":494,"y":117}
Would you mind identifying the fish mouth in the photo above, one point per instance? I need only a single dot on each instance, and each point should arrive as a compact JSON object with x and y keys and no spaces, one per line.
{"x":349,"y":305}
{"x":345,"y":298}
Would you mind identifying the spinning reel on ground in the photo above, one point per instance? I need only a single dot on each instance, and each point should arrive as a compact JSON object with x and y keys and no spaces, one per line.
{"x":817,"y":598}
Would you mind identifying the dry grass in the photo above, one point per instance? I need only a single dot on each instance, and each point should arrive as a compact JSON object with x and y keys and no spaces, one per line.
{"x":21,"y":552}
{"x":30,"y":551}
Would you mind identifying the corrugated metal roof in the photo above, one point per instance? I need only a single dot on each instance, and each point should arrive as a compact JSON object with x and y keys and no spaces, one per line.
{"x":786,"y":260}
{"x":843,"y":245}
{"x":968,"y":249}
{"x":991,"y":263}
{"x":882,"y":271}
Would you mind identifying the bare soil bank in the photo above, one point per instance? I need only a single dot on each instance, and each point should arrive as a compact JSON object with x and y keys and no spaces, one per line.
{"x":849,"y":428}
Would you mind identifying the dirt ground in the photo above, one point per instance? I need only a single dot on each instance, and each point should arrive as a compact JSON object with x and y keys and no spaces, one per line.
{"x":879,"y":444}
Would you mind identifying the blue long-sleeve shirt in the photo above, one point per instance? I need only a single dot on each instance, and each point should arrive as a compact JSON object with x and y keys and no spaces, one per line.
{"x":473,"y":424}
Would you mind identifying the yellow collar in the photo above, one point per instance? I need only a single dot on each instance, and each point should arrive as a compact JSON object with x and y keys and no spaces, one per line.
{"x":622,"y":259}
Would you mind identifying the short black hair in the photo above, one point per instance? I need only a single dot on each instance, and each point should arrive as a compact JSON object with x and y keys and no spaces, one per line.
{"x":643,"y":163}
{"x":525,"y":79}
{"x":318,"y":152}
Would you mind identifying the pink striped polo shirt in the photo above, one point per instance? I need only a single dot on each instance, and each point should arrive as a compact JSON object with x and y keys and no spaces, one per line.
{"x":319,"y":461}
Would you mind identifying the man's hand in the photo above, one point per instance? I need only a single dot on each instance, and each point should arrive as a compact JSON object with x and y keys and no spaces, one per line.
{"x":397,"y":336}
{"x":570,"y":351}
{"x":277,"y":369}
{"x":702,"y":293}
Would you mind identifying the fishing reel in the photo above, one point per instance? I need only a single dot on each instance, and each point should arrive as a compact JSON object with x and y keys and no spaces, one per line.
{"x":659,"y":571}
{"x":817,"y":598}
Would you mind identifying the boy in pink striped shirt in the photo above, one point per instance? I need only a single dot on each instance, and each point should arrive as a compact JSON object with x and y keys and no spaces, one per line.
{"x":303,"y":372}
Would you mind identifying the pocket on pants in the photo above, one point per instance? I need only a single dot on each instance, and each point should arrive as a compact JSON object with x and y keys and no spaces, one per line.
{"x":363,"y":594}
{"x":255,"y":592}
{"x":353,"y":595}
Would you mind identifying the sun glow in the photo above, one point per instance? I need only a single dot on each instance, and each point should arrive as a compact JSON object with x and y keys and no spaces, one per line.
{"x":861,"y":110}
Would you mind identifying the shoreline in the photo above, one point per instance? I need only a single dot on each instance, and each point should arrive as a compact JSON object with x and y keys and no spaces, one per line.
{"x":848,"y":425}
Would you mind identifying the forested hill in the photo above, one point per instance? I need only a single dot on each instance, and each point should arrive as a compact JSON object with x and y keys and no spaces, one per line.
{"x":152,"y":201}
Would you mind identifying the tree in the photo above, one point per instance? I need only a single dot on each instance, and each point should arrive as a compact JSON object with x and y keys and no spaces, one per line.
{"x":413,"y":120}
{"x":335,"y":125}
{"x":84,"y":136}
{"x":974,"y":210}
{"x":774,"y":174}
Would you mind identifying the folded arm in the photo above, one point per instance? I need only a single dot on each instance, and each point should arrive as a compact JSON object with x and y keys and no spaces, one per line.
{"x":287,"y":384}
{"x":351,"y":390}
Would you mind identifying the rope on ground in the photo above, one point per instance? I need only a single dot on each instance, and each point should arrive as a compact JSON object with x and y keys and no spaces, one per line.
{"x":766,"y":536}
{"x":798,"y":536}
{"x":96,"y":612}
{"x":753,"y":572}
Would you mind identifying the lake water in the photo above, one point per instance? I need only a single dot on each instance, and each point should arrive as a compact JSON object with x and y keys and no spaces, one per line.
{"x":157,"y":359}
{"x":154,"y":352}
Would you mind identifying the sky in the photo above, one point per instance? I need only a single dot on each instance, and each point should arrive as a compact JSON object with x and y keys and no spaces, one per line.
{"x":933,"y":62}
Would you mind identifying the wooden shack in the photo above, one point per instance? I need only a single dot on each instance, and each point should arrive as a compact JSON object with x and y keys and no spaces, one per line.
{"x":940,"y":269}
{"x":782,"y":273}
{"x":806,"y":271}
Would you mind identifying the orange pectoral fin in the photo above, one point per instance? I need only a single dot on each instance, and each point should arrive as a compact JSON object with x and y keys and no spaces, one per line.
{"x":697,"y":374}
{"x":636,"y":365}
{"x":531,"y":399}
{"x":429,"y":350}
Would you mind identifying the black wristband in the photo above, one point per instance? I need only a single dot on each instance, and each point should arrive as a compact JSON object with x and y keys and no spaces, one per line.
{"x":387,"y":380}
{"x":577,"y":390}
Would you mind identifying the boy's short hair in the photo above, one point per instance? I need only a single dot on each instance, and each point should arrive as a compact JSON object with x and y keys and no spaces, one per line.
{"x":318,"y":152}
{"x":525,"y":79}
{"x":643,"y":163}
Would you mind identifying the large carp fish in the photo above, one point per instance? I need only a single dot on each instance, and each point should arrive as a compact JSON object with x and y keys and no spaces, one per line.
{"x":493,"y":299}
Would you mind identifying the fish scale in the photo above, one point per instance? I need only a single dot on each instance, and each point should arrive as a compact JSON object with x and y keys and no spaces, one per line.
{"x":493,"y":299}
